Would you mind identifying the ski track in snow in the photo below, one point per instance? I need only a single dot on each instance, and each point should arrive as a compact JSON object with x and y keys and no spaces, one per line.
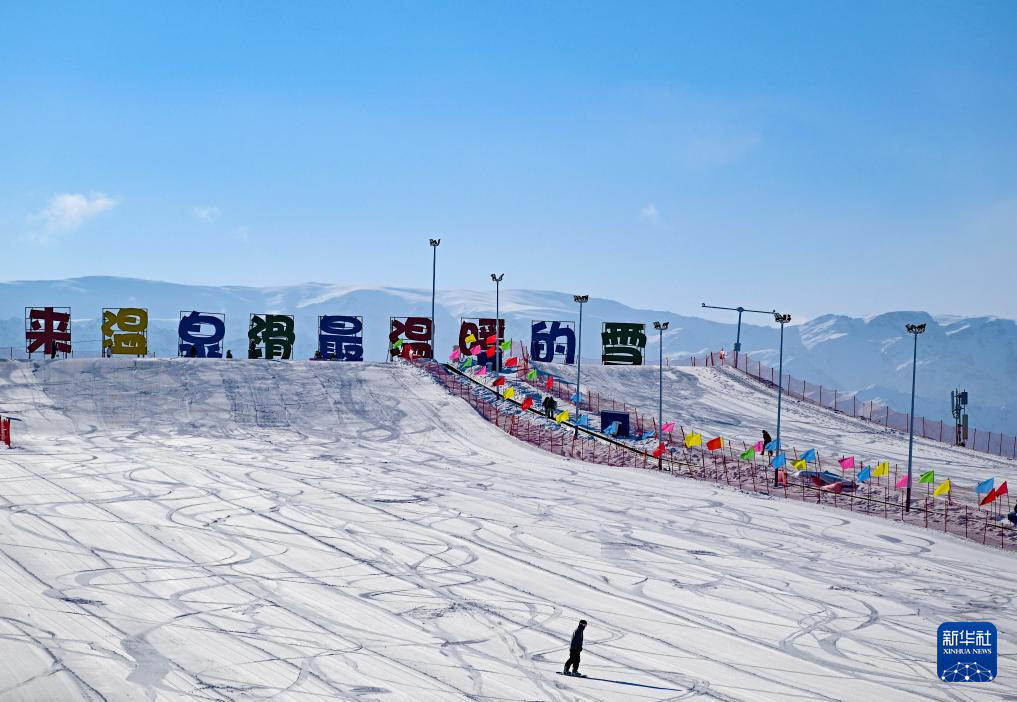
{"x":189,"y":529}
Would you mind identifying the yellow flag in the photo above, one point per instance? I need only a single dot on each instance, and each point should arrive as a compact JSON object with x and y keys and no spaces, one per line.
{"x":469,"y":338}
{"x":562,"y":416}
{"x":800,"y":464}
{"x":881,"y":471}
{"x":942,"y":489}
{"x":509,"y":393}
{"x":693,"y":440}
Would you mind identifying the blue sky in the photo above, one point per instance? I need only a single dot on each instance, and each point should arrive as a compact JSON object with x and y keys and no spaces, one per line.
{"x":811,"y":156}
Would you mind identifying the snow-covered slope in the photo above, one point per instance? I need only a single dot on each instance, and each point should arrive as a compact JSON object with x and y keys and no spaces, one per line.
{"x":180,"y":529}
{"x":869,"y":355}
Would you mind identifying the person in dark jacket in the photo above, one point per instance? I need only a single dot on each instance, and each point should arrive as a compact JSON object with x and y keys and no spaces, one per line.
{"x":575,"y":648}
{"x":766,"y":442}
{"x":547,"y":404}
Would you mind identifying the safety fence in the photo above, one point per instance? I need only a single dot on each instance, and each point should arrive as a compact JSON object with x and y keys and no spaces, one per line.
{"x":878,"y":499}
{"x":995,"y":443}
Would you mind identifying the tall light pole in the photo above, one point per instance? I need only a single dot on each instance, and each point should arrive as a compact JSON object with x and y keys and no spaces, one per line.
{"x":497,"y":320}
{"x":434,"y":278}
{"x":914,"y":329}
{"x":661,"y":326}
{"x":781,"y":319}
{"x":738,"y":334}
{"x":582,"y":300}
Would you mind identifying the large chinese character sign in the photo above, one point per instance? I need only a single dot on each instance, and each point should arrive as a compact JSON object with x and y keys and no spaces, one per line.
{"x":124,"y":331}
{"x":48,"y":331}
{"x":553,"y":342}
{"x":341,"y":337}
{"x":270,"y":336}
{"x":623,"y":343}
{"x":201,"y":334}
{"x":410,"y":337}
{"x":479,"y":338}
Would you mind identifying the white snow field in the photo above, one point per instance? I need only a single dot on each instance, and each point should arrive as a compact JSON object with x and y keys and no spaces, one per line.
{"x":724,"y":401}
{"x":192,"y":529}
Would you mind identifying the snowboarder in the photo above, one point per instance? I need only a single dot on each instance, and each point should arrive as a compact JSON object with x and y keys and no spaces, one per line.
{"x":766,"y":442}
{"x":575,"y":648}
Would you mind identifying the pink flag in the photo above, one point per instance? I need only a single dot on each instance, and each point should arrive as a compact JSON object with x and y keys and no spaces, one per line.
{"x":669,"y":427}
{"x":846,"y":463}
{"x":475,"y":350}
{"x":482,"y":371}
{"x":903,"y":482}
{"x":454,"y":355}
{"x":758,"y":448}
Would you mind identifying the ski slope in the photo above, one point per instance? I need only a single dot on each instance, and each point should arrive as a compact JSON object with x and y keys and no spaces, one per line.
{"x":241,"y":530}
{"x":723,"y":401}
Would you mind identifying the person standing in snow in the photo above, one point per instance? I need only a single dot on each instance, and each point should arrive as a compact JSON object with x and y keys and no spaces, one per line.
{"x":575,"y":648}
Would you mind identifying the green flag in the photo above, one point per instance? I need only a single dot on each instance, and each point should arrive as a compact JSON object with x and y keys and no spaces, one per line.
{"x":532,"y":375}
{"x":928,"y":477}
{"x":398,"y":344}
{"x":506,"y":345}
{"x":749,"y":455}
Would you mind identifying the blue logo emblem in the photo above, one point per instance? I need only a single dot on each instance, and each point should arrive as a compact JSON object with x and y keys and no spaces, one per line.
{"x":967,"y":652}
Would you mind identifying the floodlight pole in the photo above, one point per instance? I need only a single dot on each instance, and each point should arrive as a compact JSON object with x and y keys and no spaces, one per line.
{"x":581,"y":299}
{"x":738,"y":334}
{"x":781,"y":319}
{"x":434,"y":279}
{"x":660,"y":326}
{"x":497,"y":320}
{"x":914,"y":329}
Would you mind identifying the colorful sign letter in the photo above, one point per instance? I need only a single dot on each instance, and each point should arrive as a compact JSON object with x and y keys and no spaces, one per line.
{"x":410,"y":337}
{"x":201,"y":334}
{"x":340,"y":337}
{"x":270,"y":336}
{"x":125,"y":331}
{"x":475,"y":332}
{"x":553,"y":342}
{"x":623,"y":343}
{"x":49,"y":329}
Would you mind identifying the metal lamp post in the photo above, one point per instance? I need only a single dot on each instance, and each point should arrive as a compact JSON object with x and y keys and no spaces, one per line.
{"x":781,"y":319}
{"x":434,"y":278}
{"x":661,"y":326}
{"x":914,"y":329}
{"x":497,"y":320}
{"x":582,"y":300}
{"x":738,"y":335}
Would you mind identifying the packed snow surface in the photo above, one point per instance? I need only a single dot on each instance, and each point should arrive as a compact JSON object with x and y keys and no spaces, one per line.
{"x":237,"y":530}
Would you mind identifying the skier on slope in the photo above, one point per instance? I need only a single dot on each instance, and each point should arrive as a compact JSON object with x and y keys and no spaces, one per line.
{"x":575,"y":648}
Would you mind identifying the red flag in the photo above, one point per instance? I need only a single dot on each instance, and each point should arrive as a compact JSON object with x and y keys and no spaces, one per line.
{"x":492,"y":340}
{"x":527,"y":403}
{"x":550,"y":383}
{"x":490,"y":351}
{"x":659,"y":451}
{"x":715,"y":444}
{"x":1002,"y":489}
{"x":500,"y":381}
{"x":511,"y":362}
{"x":988,"y":498}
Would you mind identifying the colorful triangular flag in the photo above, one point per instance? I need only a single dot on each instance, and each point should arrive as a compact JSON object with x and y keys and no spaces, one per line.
{"x":532,"y":375}
{"x":800,"y":464}
{"x":865,"y":474}
{"x":511,"y":362}
{"x":809,"y":455}
{"x":778,"y":461}
{"x":903,"y":482}
{"x":509,"y":393}
{"x":668,"y":427}
{"x":990,"y":497}
{"x":882,"y":470}
{"x":749,"y":454}
{"x":985,"y":485}
{"x":693,"y":440}
{"x":942,"y":489}
{"x":715,"y":444}
{"x":846,"y":463}
{"x":499,"y":381}
{"x":928,"y":477}
{"x":527,"y":403}
{"x":562,"y":416}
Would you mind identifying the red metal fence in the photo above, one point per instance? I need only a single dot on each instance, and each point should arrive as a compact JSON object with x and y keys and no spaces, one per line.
{"x":5,"y":431}
{"x":994,"y":443}
{"x":877,"y":499}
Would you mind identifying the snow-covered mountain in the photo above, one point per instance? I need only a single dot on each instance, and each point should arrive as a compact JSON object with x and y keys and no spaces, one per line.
{"x":871,"y":355}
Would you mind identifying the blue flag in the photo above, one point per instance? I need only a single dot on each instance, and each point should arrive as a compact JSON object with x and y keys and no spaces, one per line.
{"x":612,"y":428}
{"x":985,"y":486}
{"x":778,"y":461}
{"x":809,"y":456}
{"x":772,"y":446}
{"x":648,"y":434}
{"x":583,"y":421}
{"x":575,"y":398}
{"x":865,"y":474}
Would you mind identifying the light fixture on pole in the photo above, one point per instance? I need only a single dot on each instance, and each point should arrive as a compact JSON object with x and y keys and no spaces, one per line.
{"x":434,"y":278}
{"x":661,"y":326}
{"x":914,"y":329}
{"x":738,"y":334}
{"x":582,"y":300}
{"x":497,"y":320}
{"x":780,"y":319}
